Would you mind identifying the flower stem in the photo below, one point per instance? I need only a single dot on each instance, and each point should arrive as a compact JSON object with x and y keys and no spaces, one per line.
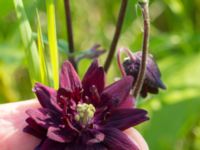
{"x":128,"y":52}
{"x":145,"y":45}
{"x":116,"y":35}
{"x":70,"y":33}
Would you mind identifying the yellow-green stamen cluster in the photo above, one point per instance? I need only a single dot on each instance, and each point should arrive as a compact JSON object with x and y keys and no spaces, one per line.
{"x":85,"y":112}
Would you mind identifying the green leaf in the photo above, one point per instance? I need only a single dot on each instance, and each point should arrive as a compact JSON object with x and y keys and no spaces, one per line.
{"x":172,"y":123}
{"x":62,"y":44}
{"x":174,"y":112}
{"x":29,"y":43}
{"x":52,"y":41}
{"x":43,"y":67}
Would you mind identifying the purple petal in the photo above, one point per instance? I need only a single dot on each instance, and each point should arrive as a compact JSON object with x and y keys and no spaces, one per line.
{"x":153,"y":73}
{"x":96,"y":147}
{"x":117,"y":92}
{"x":51,"y":145}
{"x":125,"y":118}
{"x":59,"y":135}
{"x":94,"y":76}
{"x":129,"y":102}
{"x":69,"y":79}
{"x":44,"y":117}
{"x":117,"y":140}
{"x":98,"y":137}
{"x":93,"y":66}
{"x":34,"y":129}
{"x":66,"y":99}
{"x":46,"y":96}
{"x":77,"y":146}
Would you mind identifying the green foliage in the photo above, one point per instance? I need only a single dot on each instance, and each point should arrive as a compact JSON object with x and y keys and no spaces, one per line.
{"x":43,"y":66}
{"x":175,"y":38}
{"x":29,"y":43}
{"x":52,"y":37}
{"x":175,"y":113}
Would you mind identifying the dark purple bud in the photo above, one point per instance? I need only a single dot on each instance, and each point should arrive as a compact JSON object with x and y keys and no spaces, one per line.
{"x":152,"y":81}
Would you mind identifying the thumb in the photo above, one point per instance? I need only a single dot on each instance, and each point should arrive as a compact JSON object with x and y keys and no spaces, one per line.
{"x":12,"y":122}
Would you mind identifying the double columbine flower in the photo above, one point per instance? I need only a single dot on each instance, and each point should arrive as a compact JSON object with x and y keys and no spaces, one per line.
{"x":84,"y":115}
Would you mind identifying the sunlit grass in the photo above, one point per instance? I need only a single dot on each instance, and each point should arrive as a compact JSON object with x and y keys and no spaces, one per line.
{"x":29,"y":44}
{"x":43,"y":67}
{"x":52,"y":38}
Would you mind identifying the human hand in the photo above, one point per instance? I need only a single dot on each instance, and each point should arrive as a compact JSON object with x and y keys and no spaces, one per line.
{"x":12,"y":122}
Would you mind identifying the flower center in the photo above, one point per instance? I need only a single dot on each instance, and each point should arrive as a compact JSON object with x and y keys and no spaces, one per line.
{"x":85,"y":112}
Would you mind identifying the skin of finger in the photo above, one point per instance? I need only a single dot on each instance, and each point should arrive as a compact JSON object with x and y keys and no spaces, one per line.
{"x":135,"y":136}
{"x":12,"y":122}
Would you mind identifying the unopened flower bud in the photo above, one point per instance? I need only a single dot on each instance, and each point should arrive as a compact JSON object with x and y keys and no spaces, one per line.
{"x":152,"y":81}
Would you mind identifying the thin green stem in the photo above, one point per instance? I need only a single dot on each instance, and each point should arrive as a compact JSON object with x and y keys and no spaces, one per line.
{"x":116,"y":35}
{"x":145,"y":45}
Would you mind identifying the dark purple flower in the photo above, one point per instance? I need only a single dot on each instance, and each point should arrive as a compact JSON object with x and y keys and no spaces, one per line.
{"x":84,"y":115}
{"x":152,"y":81}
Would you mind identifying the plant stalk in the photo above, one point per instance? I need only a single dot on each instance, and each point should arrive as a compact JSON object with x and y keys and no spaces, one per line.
{"x":141,"y":75}
{"x":70,"y":33}
{"x":116,"y":35}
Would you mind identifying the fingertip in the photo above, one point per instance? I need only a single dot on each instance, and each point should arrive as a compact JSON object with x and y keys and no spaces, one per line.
{"x":137,"y":138}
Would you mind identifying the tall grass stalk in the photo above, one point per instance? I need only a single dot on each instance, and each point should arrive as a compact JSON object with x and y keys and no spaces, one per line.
{"x":43,"y":67}
{"x":27,"y":39}
{"x":52,"y":38}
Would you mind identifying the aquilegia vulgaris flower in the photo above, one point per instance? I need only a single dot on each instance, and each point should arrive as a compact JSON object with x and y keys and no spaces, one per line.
{"x":84,"y":115}
{"x":152,"y":80}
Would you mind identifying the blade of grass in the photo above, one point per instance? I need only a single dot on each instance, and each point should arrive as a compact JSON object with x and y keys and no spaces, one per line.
{"x":43,"y":67}
{"x":52,"y":40}
{"x":62,"y":44}
{"x":27,"y":39}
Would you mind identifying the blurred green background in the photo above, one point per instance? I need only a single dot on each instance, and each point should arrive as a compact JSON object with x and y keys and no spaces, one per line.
{"x":174,"y":41}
